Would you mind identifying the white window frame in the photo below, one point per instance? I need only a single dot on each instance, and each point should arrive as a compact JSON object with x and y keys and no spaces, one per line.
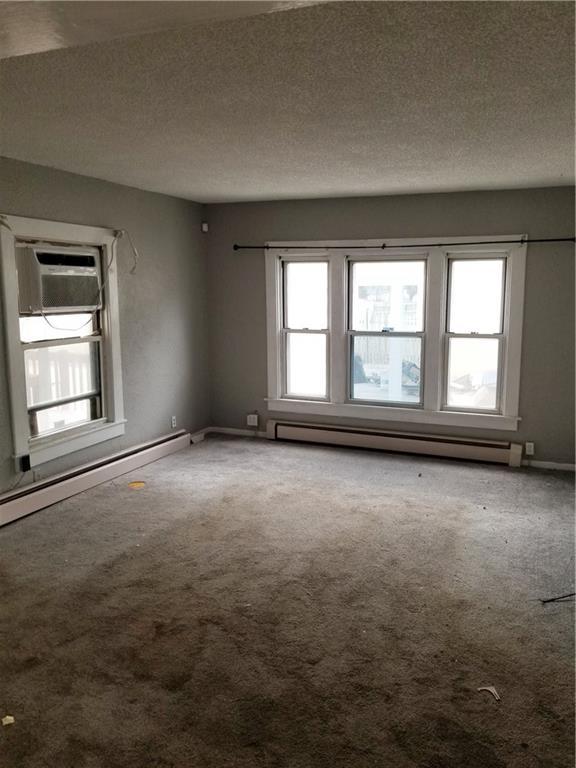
{"x":48,"y":447}
{"x":433,"y":409}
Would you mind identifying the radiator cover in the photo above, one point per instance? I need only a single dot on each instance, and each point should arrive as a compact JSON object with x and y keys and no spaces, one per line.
{"x":499,"y":452}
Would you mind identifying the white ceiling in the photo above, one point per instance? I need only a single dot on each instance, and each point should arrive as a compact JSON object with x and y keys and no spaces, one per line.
{"x":34,"y":27}
{"x":345,"y":98}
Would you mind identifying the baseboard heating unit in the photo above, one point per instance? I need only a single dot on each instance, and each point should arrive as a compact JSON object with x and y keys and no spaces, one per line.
{"x":43,"y":493}
{"x":402,"y":442}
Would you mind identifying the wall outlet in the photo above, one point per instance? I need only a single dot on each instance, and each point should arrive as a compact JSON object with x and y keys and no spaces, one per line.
{"x":173,"y":422}
{"x":252,"y":419}
{"x":529,"y":449}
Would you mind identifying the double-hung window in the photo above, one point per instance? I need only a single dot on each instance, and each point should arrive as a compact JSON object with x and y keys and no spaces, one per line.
{"x":409,"y":333}
{"x":60,"y":300}
{"x":475,"y":333}
{"x":386,"y":330}
{"x":62,"y":356}
{"x":305,"y":328}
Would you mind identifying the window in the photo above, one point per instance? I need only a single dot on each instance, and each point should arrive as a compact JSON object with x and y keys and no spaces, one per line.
{"x":62,"y":368}
{"x":305,"y":328}
{"x":428,"y":334}
{"x":475,"y":333}
{"x":64,"y":362}
{"x":386,"y":330}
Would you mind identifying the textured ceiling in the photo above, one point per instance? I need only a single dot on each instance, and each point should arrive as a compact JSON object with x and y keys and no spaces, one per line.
{"x":32,"y":27}
{"x":346,"y":98}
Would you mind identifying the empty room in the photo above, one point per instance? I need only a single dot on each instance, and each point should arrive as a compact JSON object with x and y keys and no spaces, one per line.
{"x":287,"y":336}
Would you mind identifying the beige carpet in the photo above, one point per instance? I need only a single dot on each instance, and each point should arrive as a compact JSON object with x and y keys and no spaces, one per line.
{"x":263,"y":604}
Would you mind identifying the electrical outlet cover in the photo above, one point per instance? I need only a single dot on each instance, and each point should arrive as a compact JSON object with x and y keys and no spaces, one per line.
{"x":529,"y":448}
{"x":252,"y":420}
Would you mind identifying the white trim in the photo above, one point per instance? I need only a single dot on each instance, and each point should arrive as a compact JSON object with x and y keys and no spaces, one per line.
{"x":197,"y":437}
{"x":513,"y":321}
{"x":397,"y":414}
{"x":14,"y":356}
{"x":434,"y":353}
{"x":58,"y":232}
{"x":549,"y":465}
{"x":435,"y":445}
{"x":24,"y":501}
{"x":47,"y":448}
{"x":16,"y":504}
{"x":111,"y":344}
{"x":64,"y":444}
{"x":337,"y":339}
{"x":433,"y":347}
{"x":270,"y":424}
{"x":274,"y":324}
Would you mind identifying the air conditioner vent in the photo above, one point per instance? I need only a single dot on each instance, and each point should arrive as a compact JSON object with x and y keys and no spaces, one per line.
{"x":69,"y":291}
{"x":66,"y":259}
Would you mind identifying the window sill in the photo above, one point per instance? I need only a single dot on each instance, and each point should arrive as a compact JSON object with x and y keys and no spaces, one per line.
{"x":49,"y":448}
{"x":403,"y":415}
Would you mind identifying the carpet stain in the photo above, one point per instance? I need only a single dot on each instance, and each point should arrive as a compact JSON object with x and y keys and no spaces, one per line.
{"x":276,"y":606}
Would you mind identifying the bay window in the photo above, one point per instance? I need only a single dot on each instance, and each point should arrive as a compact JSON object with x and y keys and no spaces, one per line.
{"x":407,"y":332}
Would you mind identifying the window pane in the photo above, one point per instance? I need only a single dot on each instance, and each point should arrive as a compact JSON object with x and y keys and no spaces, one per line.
{"x":306,"y":294}
{"x":386,"y":368}
{"x":473,"y":373}
{"x":476,"y":296}
{"x":62,"y":416}
{"x":55,"y":373}
{"x":306,"y":364}
{"x":50,"y":327}
{"x":388,"y":295}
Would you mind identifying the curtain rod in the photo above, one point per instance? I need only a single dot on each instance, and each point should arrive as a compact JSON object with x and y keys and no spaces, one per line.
{"x":522,"y":241}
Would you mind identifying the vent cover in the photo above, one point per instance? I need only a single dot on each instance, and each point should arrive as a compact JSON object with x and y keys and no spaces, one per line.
{"x":69,"y":291}
{"x":499,"y":452}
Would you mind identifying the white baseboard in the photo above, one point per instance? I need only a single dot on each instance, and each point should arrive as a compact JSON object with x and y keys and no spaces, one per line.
{"x":201,"y":434}
{"x":43,"y":493}
{"x":549,"y":465}
{"x":198,"y":436}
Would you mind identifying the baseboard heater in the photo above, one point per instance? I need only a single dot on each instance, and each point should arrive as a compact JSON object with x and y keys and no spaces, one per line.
{"x":402,"y":442}
{"x":31,"y":498}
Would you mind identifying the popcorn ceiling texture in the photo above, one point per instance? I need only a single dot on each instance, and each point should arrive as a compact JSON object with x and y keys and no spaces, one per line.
{"x":329,"y":100}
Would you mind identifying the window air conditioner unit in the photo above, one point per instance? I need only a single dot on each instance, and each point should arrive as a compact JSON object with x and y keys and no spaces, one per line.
{"x":58,"y":280}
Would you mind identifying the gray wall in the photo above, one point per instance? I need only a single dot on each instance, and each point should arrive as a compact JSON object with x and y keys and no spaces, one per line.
{"x":194,"y":327}
{"x":162,"y":306}
{"x":238,"y":299}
